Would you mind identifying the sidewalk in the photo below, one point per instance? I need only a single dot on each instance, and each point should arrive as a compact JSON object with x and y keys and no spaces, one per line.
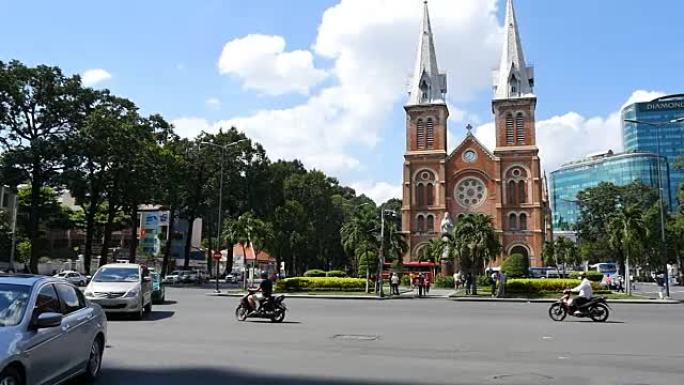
{"x":404,"y":293}
{"x":551,"y":300}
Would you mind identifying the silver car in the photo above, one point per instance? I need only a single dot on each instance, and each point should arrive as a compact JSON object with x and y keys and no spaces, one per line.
{"x":122,"y":288}
{"x":49,"y":333}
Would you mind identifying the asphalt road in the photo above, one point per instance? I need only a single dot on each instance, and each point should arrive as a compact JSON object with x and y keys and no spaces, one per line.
{"x":196,"y":340}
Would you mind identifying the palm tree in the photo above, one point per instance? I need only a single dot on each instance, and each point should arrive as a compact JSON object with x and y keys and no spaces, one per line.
{"x":395,"y":242}
{"x":473,"y":243}
{"x":359,"y":231}
{"x":247,"y":228}
{"x":627,"y":232}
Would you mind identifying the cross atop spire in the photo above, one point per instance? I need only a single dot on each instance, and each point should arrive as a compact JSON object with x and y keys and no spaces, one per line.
{"x":513,"y":79}
{"x":428,"y":86}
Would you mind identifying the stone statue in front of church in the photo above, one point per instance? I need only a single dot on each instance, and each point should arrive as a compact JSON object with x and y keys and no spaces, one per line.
{"x":447,"y":226}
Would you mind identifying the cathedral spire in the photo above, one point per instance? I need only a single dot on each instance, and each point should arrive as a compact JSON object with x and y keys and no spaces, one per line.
{"x":513,"y":79}
{"x":428,"y":86}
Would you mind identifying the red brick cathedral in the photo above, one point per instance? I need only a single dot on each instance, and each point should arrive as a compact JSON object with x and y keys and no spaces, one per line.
{"x":506,"y":184}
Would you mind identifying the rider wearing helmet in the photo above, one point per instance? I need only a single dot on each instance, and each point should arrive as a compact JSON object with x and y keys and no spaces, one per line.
{"x":263,"y":293}
{"x":585,"y":293}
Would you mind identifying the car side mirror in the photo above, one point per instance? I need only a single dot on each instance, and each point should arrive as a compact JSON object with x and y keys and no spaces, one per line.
{"x":48,"y":320}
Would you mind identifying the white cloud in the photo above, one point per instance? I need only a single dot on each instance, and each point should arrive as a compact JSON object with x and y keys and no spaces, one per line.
{"x":372,"y":45}
{"x":190,"y":127}
{"x":93,"y":76}
{"x":213,"y":103}
{"x":571,"y":136}
{"x":262,"y":64}
{"x":379,"y":192}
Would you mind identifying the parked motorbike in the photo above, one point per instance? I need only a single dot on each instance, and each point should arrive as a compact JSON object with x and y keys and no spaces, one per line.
{"x":272,"y":308}
{"x":596,"y":309}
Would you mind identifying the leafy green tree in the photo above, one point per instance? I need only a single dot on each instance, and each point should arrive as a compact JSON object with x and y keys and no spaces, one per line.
{"x":627,"y":231}
{"x":474,"y":242}
{"x":359,"y":233}
{"x":39,"y":110}
{"x":516,"y":266}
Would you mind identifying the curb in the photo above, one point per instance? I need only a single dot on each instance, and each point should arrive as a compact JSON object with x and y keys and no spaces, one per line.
{"x":342,"y":297}
{"x":551,"y":300}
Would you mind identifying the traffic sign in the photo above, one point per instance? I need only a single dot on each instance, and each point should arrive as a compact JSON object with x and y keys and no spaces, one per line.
{"x":217,"y":256}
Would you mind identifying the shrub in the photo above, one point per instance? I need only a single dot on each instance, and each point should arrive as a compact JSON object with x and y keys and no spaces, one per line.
{"x":321,"y":284}
{"x":540,"y":286}
{"x":516,"y":266}
{"x":336,"y":273}
{"x":593,"y":276}
{"x":484,"y":280}
{"x":444,"y":282}
{"x":405,"y":280}
{"x":314,"y":273}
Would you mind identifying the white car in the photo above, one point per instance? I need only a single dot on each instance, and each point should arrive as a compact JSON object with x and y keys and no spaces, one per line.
{"x":122,"y":288}
{"x":74,"y":277}
{"x":173,"y":277}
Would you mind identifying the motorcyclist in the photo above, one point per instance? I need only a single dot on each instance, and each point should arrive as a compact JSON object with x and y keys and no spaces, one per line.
{"x":585,"y":293}
{"x":257,"y":298}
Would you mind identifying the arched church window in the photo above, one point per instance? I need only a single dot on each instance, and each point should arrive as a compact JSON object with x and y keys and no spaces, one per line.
{"x":512,"y":221}
{"x":520,"y":128}
{"x":430,"y":194}
{"x":420,"y":194}
{"x":510,"y":134}
{"x":522,"y":191}
{"x":523,"y":221}
{"x":511,"y":193}
{"x":420,"y":224}
{"x":430,"y":224}
{"x":430,"y":133}
{"x":420,"y":134}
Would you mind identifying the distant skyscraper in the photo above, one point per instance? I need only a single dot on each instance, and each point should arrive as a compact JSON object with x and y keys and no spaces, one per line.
{"x":658,"y":134}
{"x":618,"y":169}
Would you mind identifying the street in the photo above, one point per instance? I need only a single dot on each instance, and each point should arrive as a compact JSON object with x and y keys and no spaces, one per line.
{"x":195,"y":339}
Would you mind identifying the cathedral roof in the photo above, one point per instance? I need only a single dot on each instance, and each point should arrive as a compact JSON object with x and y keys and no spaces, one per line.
{"x":514,"y":78}
{"x":428,"y":85}
{"x":470,"y":138}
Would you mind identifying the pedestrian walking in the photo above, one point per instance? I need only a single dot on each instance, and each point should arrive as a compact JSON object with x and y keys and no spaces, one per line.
{"x":421,"y":285}
{"x":660,"y":281}
{"x":427,"y":284}
{"x":394,"y":282}
{"x":502,"y":284}
{"x":457,"y":280}
{"x":493,"y":279}
{"x":468,"y":283}
{"x":619,"y":284}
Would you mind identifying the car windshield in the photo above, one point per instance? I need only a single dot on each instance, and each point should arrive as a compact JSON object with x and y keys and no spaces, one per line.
{"x":116,"y":274}
{"x":607,"y":268}
{"x":13,"y":300}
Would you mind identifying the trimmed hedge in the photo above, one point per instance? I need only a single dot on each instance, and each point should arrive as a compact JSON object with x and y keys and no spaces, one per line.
{"x":336,"y":273}
{"x":540,"y":286}
{"x":593,"y":276}
{"x":444,"y":282}
{"x":321,"y":284}
{"x":314,"y":273}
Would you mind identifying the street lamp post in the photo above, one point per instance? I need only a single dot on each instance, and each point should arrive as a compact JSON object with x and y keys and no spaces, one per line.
{"x":657,"y":126}
{"x":14,"y":232}
{"x":220,"y":202}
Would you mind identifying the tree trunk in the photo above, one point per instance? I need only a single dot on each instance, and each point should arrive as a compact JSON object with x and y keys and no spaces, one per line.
{"x":90,"y":229}
{"x":244,"y":259}
{"x":169,"y":241}
{"x":188,"y":243}
{"x":229,"y":259}
{"x":133,"y":247}
{"x":111,"y":213}
{"x":34,"y":219}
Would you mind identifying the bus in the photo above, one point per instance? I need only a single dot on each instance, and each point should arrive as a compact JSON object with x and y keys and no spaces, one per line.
{"x":606,"y":268}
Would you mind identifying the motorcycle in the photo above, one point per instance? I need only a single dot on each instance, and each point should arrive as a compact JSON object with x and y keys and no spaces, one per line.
{"x":272,"y":308}
{"x":596,"y":309}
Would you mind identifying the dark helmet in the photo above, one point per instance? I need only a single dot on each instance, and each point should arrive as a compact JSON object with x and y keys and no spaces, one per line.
{"x":583,"y":275}
{"x":264,"y":275}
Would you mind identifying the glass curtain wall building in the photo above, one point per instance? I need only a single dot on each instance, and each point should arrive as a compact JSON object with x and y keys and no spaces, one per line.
{"x":657,"y":133}
{"x":619,"y":169}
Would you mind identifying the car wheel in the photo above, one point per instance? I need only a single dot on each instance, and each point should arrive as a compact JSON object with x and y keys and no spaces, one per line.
{"x":138,"y":315}
{"x":94,"y":361}
{"x":11,"y":376}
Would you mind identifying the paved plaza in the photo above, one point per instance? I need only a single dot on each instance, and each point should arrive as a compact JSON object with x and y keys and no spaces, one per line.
{"x":195,"y":339}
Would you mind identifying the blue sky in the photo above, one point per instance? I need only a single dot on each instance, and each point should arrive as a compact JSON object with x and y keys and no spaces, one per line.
{"x":325,"y":80}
